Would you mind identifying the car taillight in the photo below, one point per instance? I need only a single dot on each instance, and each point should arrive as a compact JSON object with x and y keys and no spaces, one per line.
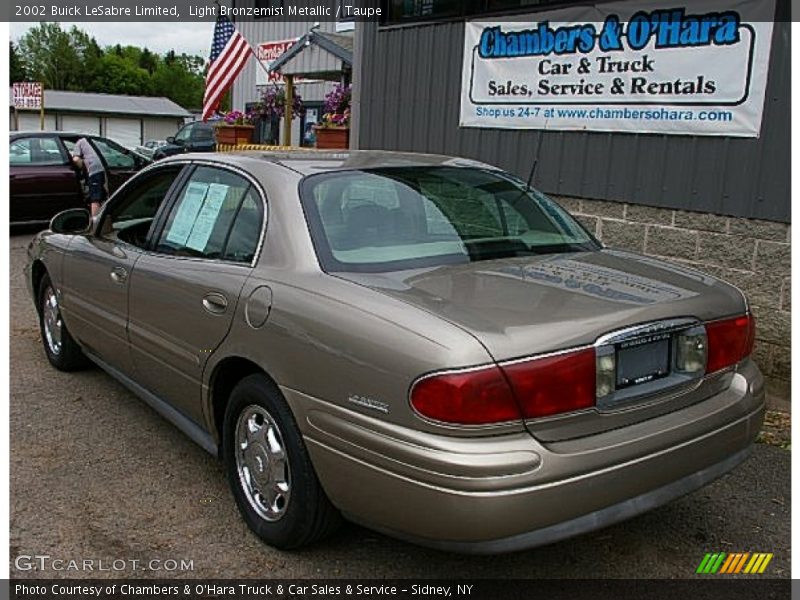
{"x":554,"y":384}
{"x":729,"y":341}
{"x":474,"y":397}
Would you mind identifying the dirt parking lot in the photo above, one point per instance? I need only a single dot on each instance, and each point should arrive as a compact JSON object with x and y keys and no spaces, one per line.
{"x":96,"y":474}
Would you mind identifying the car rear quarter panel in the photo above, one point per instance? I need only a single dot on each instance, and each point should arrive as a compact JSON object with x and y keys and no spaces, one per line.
{"x":330,"y":342}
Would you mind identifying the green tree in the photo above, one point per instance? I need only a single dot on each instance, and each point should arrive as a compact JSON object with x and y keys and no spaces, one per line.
{"x":90,"y":55}
{"x":180,"y":79}
{"x":16,"y":66}
{"x":118,"y":75}
{"x":148,"y":61}
{"x":72,"y":60}
{"x":51,"y":57}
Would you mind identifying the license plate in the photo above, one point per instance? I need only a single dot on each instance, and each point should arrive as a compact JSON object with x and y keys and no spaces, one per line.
{"x":641,"y":361}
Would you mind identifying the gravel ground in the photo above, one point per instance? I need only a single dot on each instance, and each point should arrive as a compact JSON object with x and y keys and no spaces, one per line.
{"x":96,"y":474}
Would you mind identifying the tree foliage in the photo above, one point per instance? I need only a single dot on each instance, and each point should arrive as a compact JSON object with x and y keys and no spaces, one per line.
{"x":15,"y":66}
{"x":72,"y":60}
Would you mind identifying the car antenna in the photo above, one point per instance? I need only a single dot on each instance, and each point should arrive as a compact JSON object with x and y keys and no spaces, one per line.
{"x":536,"y":155}
{"x":533,"y":166}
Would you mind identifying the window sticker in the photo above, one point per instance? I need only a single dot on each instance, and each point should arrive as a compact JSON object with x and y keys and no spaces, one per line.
{"x":207,"y":217}
{"x":187,"y":213}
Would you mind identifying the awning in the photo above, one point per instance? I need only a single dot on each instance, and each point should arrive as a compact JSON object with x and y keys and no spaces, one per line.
{"x":317,"y":55}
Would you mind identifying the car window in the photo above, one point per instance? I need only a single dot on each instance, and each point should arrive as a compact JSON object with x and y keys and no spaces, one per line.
{"x":410,"y":217}
{"x":36,"y":151}
{"x":218,"y":215}
{"x":184,"y":133}
{"x":133,"y":209}
{"x":202,"y":133}
{"x":246,"y":231}
{"x":115,"y":156}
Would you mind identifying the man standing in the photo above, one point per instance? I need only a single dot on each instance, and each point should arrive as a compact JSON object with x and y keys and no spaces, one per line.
{"x":83,"y":154}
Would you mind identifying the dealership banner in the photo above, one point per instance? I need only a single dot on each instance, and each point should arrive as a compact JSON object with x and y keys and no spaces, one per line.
{"x":696,"y":68}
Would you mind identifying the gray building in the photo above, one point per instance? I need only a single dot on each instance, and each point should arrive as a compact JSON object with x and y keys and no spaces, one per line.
{"x":128,"y":120}
{"x":718,"y":203}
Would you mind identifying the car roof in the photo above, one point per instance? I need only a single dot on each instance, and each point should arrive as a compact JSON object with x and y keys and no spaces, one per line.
{"x":309,"y":161}
{"x":39,"y":133}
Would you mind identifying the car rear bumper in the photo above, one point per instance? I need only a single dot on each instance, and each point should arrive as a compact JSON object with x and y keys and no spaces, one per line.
{"x":488,"y":495}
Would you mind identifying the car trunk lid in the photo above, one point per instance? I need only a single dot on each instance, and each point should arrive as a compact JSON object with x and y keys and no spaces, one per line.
{"x":523,"y":307}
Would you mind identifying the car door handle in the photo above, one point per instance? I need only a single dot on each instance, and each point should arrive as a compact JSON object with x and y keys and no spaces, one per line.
{"x":215,"y":303}
{"x":119,"y":275}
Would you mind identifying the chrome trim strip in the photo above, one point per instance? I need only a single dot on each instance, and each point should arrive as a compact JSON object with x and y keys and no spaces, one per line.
{"x":651,"y":327}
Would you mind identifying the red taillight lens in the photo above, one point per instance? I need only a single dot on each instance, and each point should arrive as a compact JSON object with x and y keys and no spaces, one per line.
{"x":554,"y":384}
{"x":729,"y":341}
{"x":477,"y":397}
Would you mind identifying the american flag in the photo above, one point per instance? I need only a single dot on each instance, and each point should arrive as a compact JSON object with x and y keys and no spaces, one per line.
{"x":229,"y":52}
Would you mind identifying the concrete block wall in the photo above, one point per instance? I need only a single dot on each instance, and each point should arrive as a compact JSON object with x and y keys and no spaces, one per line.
{"x":751,"y":254}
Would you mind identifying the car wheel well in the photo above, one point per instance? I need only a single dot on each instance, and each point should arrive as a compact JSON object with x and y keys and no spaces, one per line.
{"x":38,"y":271}
{"x":226,"y":375}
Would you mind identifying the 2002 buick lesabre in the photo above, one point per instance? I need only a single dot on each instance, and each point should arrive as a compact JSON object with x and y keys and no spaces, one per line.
{"x":422,"y":344}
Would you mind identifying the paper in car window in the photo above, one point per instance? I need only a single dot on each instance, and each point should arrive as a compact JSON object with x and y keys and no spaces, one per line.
{"x":184,"y":220}
{"x":207,"y":218}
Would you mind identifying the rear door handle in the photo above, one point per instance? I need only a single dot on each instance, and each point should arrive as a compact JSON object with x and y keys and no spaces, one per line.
{"x":119,"y":275}
{"x":215,"y":303}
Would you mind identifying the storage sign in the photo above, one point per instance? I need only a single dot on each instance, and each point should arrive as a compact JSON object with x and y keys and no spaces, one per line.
{"x":27,"y":94}
{"x":699,"y":68}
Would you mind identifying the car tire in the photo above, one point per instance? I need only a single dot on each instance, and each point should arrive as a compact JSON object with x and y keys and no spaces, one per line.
{"x":61,"y":349}
{"x":269,"y":469}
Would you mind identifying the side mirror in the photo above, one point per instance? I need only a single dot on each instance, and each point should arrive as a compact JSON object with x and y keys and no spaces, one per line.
{"x":74,"y":220}
{"x":171,"y":140}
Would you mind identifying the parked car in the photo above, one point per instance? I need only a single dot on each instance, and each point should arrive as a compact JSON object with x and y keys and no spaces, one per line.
{"x":197,"y":136}
{"x":45,"y":182}
{"x":149,"y":147}
{"x":422,"y":344}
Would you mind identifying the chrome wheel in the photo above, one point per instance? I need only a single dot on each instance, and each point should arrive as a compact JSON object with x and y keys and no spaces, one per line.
{"x":262,"y":463}
{"x":51,"y":317}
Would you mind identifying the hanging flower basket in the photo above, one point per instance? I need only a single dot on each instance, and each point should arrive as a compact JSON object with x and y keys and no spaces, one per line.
{"x":332,"y":138}
{"x":234,"y":134}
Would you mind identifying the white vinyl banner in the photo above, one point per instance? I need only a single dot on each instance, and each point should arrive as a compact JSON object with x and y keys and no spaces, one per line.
{"x":697,"y":68}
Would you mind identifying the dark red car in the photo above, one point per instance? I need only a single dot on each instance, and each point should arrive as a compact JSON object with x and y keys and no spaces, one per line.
{"x":43,"y":180}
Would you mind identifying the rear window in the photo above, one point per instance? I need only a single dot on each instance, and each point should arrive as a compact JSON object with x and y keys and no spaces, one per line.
{"x":409,"y":217}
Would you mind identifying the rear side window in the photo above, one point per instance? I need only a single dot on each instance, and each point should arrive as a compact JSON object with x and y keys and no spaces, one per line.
{"x":218,"y":215}
{"x":36,"y":151}
{"x":202,"y":133}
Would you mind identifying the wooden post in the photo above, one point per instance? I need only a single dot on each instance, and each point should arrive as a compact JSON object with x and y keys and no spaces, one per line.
{"x":287,"y":112}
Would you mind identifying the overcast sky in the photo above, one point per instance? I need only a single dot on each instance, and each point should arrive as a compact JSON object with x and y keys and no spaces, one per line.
{"x":191,"y":38}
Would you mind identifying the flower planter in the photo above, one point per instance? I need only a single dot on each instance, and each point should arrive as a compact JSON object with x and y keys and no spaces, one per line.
{"x":333,"y":138}
{"x":234,"y":134}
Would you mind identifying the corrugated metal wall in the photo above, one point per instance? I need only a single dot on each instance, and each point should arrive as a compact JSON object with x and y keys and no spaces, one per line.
{"x":410,"y":80}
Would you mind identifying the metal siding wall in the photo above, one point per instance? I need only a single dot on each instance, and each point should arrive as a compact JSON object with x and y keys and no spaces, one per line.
{"x":161,"y":129}
{"x":410,"y":99}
